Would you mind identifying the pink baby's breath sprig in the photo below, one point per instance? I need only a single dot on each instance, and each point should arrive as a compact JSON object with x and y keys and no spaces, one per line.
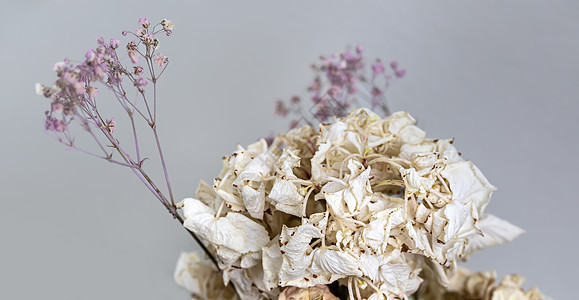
{"x":75,"y":101}
{"x":341,"y":81}
{"x":75,"y":92}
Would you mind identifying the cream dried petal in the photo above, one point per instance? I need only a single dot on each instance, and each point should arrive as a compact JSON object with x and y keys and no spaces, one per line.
{"x":510,"y":289}
{"x":235,"y":231}
{"x":296,"y":240}
{"x":295,"y":248}
{"x":399,"y":279}
{"x":254,"y":234}
{"x":318,"y":292}
{"x":341,"y":134}
{"x":319,"y":173}
{"x":254,"y":200}
{"x":411,"y":135}
{"x":422,"y":213}
{"x":243,"y":284}
{"x":467,"y":183}
{"x":407,"y":150}
{"x":199,"y":218}
{"x":333,"y":193}
{"x":286,"y":162}
{"x":423,"y":160}
{"x":335,"y":262}
{"x":419,"y":239}
{"x":448,"y":151}
{"x":415,"y":183}
{"x":333,"y":133}
{"x":257,"y":147}
{"x":227,"y":257}
{"x":293,"y":274}
{"x":452,"y":217}
{"x":399,"y":120}
{"x":285,"y":197}
{"x":207,"y":194}
{"x":272,"y":262}
{"x":495,"y":231}
{"x":259,"y":168}
{"x":186,"y":272}
{"x":250,"y":260}
{"x":376,"y":234}
{"x":225,"y":191}
{"x":369,"y":265}
{"x":345,"y":200}
{"x":200,"y":278}
{"x":360,"y":191}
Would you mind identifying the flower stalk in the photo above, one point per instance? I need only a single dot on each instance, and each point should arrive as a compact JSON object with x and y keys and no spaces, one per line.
{"x":74,"y":100}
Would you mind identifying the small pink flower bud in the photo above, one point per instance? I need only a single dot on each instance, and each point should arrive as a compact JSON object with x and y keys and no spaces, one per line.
{"x":124,"y":33}
{"x":90,"y":55}
{"x":144,"y":22}
{"x":59,"y":66}
{"x":138,"y":70}
{"x":280,"y":108}
{"x":378,"y":67}
{"x":334,"y":91}
{"x":141,"y":32}
{"x":160,"y":60}
{"x":134,"y":56}
{"x":111,"y":125}
{"x":60,"y":126}
{"x":148,"y":39}
{"x":92,"y":91}
{"x":115,"y":43}
{"x":167,"y":26}
{"x":54,"y":125}
{"x":56,"y":107}
{"x":400,"y":73}
{"x":141,"y":82}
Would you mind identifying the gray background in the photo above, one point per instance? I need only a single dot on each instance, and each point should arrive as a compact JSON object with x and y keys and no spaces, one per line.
{"x":499,"y":76}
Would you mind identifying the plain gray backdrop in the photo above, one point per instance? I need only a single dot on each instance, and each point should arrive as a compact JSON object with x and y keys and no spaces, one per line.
{"x":499,"y":76}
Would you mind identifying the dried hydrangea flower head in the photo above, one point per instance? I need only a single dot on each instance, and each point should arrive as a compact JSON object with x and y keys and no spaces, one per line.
{"x":465,"y":284}
{"x":367,"y":202}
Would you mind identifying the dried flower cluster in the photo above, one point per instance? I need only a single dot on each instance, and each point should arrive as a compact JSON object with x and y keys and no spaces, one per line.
{"x":75,"y":99}
{"x":363,"y":208}
{"x":482,"y":286}
{"x":367,"y":202}
{"x":341,"y":82}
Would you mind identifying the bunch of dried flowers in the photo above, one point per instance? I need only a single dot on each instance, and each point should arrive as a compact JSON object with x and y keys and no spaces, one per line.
{"x":363,"y":207}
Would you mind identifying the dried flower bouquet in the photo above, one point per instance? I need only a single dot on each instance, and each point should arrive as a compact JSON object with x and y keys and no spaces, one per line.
{"x":359,"y":207}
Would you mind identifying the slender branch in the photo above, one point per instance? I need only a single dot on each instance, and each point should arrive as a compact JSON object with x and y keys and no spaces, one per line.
{"x":154,"y":100}
{"x":128,"y":101}
{"x":135,"y":137}
{"x":163,"y":71}
{"x":163,"y":164}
